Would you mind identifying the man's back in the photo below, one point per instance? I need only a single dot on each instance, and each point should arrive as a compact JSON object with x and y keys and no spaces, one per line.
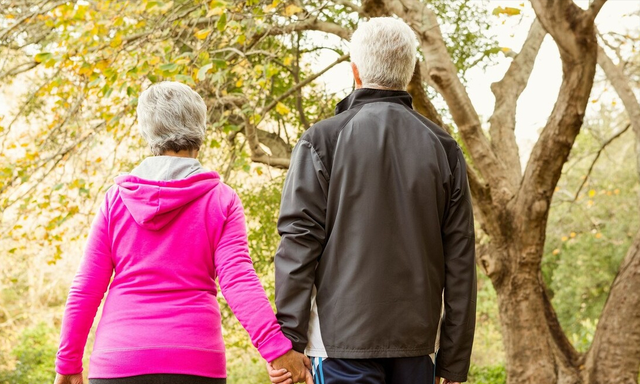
{"x":377,"y":180}
{"x":377,"y":229}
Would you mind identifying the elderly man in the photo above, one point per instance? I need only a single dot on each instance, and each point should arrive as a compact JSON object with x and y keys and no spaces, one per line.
{"x":377,"y":229}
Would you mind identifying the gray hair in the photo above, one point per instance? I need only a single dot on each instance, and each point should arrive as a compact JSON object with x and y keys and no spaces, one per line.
{"x":384,"y":50}
{"x":171,"y":117}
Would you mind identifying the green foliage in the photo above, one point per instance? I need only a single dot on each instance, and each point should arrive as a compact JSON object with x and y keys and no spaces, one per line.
{"x":465,"y":27}
{"x":34,"y":355}
{"x":245,"y":366}
{"x":261,"y":204}
{"x":487,"y":343}
{"x":588,"y":236}
{"x":495,"y":374}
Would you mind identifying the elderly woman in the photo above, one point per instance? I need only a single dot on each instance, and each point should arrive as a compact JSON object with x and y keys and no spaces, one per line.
{"x":168,"y":230}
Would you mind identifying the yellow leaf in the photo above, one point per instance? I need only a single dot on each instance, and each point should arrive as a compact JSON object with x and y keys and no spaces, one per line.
{"x":572,"y":234}
{"x":598,"y":235}
{"x":288,"y":60}
{"x":202,"y":34}
{"x":564,"y":238}
{"x":291,"y":10}
{"x":239,"y":83}
{"x":282,"y":109}
{"x":592,"y":192}
{"x":556,"y":251}
{"x":154,"y":60}
{"x":616,"y":191}
{"x":215,"y":12}
{"x":102,"y":65}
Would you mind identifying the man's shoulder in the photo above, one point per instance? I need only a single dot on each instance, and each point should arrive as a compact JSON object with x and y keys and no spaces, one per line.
{"x":447,"y":141}
{"x":328,"y":128}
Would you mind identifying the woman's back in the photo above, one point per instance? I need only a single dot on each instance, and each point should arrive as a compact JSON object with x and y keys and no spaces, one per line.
{"x":168,"y":240}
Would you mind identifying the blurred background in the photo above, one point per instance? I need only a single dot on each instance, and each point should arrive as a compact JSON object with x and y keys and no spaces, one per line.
{"x":562,"y":162}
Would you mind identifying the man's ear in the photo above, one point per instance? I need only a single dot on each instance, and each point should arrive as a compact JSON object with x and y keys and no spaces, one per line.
{"x":356,"y":75}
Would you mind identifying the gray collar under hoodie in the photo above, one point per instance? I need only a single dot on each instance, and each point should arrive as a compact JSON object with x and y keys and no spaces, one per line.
{"x":167,"y":168}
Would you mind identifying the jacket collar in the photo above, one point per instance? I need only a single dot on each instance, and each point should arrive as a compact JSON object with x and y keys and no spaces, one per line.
{"x":370,"y":95}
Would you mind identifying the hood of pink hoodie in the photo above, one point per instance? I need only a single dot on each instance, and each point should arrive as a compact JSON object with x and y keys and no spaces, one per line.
{"x":155,"y":203}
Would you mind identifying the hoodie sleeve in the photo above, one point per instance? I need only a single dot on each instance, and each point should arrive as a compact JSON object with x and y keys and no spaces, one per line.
{"x":302,"y":228}
{"x":242,"y":288}
{"x":458,"y":324}
{"x":86,"y":293}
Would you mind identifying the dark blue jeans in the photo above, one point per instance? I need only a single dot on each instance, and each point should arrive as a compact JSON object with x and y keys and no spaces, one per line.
{"x":401,"y":370}
{"x":160,"y":379}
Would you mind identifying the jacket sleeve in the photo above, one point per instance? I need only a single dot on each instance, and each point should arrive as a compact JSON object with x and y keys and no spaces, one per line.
{"x":86,"y":293}
{"x":302,"y":229}
{"x":458,"y":325}
{"x":242,"y":288}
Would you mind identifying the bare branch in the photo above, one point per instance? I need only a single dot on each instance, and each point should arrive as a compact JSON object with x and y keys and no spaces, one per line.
{"x":350,"y":5}
{"x":18,"y":69}
{"x":595,"y":159}
{"x":305,"y":82}
{"x":507,"y":92}
{"x":311,"y":24}
{"x":42,"y":11}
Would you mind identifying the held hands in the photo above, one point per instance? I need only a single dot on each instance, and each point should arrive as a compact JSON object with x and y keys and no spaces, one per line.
{"x":292,"y":367}
{"x":69,"y":379}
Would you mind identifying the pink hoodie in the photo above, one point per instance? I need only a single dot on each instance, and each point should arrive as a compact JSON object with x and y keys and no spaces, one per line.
{"x":167,"y":242}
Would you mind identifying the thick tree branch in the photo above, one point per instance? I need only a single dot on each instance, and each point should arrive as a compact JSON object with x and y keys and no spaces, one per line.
{"x":507,"y":92}
{"x":578,"y":50}
{"x":311,"y":24}
{"x":559,"y":337}
{"x":622,"y":85}
{"x":595,"y":8}
{"x":421,"y":102}
{"x":278,"y":147}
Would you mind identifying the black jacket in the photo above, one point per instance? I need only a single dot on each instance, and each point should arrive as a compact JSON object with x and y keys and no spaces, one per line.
{"x":376,"y":221}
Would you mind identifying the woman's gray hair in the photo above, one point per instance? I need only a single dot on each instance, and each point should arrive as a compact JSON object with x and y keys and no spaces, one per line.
{"x":171,"y":117}
{"x":384,"y":50}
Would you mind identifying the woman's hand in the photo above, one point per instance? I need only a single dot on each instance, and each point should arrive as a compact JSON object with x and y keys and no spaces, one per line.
{"x":279,"y":376}
{"x":69,"y":379}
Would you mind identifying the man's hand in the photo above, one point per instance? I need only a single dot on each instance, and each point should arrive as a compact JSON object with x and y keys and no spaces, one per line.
{"x":295,"y":363}
{"x":69,"y":379}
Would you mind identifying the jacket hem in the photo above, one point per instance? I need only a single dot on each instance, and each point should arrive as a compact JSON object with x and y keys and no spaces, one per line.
{"x":340,"y":353}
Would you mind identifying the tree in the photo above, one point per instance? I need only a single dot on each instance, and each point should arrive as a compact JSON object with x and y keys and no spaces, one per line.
{"x":111,"y":50}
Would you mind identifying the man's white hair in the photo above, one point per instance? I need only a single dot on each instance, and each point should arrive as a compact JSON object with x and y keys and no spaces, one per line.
{"x":171,"y":116}
{"x":384,"y":50}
